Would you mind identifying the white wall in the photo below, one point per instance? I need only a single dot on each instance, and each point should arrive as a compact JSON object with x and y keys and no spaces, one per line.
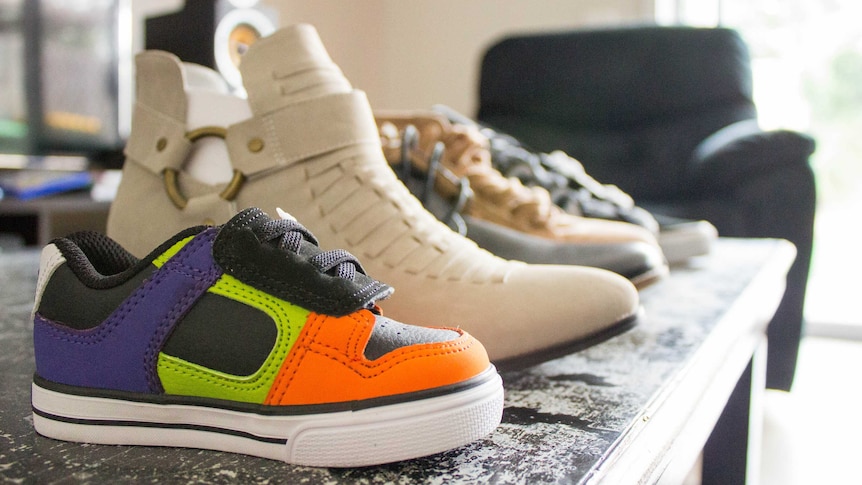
{"x":411,"y":54}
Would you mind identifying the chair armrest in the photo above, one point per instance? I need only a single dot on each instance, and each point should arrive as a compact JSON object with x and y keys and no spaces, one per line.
{"x":742,"y":151}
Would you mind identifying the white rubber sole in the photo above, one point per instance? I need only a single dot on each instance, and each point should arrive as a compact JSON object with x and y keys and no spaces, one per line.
{"x":687,"y":241}
{"x":369,"y":436}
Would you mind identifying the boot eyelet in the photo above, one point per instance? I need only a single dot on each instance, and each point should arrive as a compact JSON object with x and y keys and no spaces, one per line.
{"x":255,"y":145}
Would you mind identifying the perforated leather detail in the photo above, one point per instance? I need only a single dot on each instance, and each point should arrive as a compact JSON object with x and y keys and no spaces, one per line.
{"x":373,"y":213}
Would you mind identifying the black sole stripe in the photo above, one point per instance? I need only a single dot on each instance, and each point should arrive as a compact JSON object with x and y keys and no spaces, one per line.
{"x":144,"y":424}
{"x":266,"y":410}
{"x":529,"y":360}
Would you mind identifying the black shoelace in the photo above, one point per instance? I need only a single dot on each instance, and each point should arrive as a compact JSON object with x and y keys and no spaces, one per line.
{"x":290,"y":235}
{"x":541,"y":169}
{"x":409,"y":143}
{"x":572,"y":190}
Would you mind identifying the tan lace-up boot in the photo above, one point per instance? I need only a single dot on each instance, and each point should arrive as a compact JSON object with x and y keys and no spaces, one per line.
{"x":500,"y":214}
{"x":498,"y":199}
{"x":311,"y":147}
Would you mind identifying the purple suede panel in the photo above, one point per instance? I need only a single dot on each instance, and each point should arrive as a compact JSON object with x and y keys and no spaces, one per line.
{"x":121,"y":352}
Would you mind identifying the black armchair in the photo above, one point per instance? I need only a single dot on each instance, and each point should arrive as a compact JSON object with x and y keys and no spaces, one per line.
{"x":665,"y":113}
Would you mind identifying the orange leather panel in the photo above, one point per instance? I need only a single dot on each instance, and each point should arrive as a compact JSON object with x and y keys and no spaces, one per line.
{"x":327,"y":364}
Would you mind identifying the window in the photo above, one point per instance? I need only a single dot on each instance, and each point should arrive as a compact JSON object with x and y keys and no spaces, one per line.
{"x":807,"y":64}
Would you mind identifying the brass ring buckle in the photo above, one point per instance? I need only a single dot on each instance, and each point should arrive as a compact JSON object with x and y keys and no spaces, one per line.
{"x":170,"y":174}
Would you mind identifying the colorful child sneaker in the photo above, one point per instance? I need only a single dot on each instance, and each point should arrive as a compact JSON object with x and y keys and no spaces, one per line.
{"x":247,"y":338}
{"x":573,"y":189}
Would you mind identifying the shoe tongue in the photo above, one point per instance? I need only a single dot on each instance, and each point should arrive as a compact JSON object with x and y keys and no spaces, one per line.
{"x":289,"y":66}
{"x":289,"y":275}
{"x":255,"y":219}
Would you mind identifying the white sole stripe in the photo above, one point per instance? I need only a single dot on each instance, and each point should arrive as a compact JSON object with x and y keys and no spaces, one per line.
{"x":368,"y":436}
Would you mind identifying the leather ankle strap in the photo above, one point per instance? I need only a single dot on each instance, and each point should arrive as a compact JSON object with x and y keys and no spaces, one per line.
{"x":262,"y":143}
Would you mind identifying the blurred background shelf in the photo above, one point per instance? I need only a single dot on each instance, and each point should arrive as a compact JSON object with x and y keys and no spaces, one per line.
{"x":37,"y":221}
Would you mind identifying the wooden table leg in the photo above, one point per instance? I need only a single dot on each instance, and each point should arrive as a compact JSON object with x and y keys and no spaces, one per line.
{"x":732,"y":452}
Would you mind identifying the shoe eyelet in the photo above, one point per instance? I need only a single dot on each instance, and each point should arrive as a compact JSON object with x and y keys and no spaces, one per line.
{"x":161,"y":144}
{"x":255,"y":145}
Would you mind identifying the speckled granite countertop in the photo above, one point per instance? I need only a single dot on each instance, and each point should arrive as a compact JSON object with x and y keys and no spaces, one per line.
{"x":570,"y":420}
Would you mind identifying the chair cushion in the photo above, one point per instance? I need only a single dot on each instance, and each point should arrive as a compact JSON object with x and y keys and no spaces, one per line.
{"x":742,"y":151}
{"x":613,"y":78}
{"x":630,"y":103}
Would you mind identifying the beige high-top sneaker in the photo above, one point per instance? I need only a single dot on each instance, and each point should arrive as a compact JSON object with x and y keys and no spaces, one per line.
{"x":311,"y":147}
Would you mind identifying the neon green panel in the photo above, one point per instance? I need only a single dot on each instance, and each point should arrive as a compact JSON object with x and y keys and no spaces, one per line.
{"x":165,"y":256}
{"x":185,"y":378}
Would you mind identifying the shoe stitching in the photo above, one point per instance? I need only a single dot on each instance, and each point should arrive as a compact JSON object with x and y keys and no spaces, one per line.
{"x":302,"y":67}
{"x":371,"y":369}
{"x":360,"y":329}
{"x":274,"y":141}
{"x":228,"y":286}
{"x":203,"y":280}
{"x":95,"y":335}
{"x":394,"y":357}
{"x":159,"y":335}
{"x":294,"y":359}
{"x":309,"y":344}
{"x":417,"y":228}
{"x":363,"y":186}
{"x":347,"y":101}
{"x":98,"y":334}
{"x":273,"y":285}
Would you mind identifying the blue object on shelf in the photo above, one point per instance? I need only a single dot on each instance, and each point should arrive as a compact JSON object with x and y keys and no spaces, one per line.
{"x":30,"y":184}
